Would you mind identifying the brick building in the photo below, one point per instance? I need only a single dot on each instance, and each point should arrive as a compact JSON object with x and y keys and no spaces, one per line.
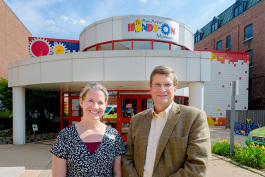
{"x":240,"y":28}
{"x":13,"y":39}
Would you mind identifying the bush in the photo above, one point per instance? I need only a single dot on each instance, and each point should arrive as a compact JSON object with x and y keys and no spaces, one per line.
{"x":251,"y":155}
{"x":221,"y":148}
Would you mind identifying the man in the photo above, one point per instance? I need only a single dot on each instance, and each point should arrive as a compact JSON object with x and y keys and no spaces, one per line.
{"x":169,"y":139}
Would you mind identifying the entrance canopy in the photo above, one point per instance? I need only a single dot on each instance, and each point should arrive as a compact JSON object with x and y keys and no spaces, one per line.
{"x":117,"y":70}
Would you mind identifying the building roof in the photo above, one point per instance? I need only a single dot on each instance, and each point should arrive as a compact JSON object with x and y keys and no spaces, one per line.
{"x":226,"y":16}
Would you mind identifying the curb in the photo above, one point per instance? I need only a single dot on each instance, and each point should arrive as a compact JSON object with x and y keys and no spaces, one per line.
{"x":242,"y":166}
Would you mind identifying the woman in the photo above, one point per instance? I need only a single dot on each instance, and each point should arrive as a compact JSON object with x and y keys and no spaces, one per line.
{"x":89,"y":148}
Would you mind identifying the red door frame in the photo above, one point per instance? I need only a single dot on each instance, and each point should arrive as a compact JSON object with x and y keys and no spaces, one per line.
{"x":128,"y":119}
{"x":73,"y":118}
{"x":70,"y":118}
{"x":62,"y":109}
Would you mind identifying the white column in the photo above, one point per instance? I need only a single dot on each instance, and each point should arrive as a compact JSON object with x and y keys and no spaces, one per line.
{"x":196,"y":94}
{"x":19,"y":133}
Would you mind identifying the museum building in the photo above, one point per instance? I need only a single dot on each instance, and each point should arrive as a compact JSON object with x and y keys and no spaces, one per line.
{"x":120,"y":52}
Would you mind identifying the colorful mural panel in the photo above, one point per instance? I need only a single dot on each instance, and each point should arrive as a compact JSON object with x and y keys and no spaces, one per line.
{"x":47,"y":46}
{"x":225,"y":68}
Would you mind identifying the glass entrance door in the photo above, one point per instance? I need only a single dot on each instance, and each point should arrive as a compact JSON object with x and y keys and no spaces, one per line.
{"x":129,"y":106}
{"x":76,"y":110}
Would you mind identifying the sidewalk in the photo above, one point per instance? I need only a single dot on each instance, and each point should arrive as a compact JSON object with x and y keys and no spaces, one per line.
{"x":35,"y":160}
{"x":29,"y":160}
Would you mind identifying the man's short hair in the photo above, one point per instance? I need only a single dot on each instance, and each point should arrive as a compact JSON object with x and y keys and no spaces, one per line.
{"x":162,"y":69}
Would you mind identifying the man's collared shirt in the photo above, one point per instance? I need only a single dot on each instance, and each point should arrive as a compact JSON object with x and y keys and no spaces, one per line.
{"x":157,"y":125}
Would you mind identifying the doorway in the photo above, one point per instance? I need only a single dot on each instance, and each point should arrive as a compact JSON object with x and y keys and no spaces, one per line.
{"x":129,"y":106}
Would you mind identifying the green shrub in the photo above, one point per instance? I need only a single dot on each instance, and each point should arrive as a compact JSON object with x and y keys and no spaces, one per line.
{"x":251,"y":155}
{"x":221,"y":147}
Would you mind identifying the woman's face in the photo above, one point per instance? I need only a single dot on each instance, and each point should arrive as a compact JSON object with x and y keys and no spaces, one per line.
{"x":93,"y":104}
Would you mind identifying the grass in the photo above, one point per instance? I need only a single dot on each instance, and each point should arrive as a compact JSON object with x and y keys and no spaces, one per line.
{"x":252,"y":155}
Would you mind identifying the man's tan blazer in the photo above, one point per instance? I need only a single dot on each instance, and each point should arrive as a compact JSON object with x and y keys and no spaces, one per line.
{"x":184,"y":148}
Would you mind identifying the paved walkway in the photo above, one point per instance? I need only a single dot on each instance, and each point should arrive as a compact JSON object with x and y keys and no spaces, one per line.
{"x":29,"y":160}
{"x":35,"y":160}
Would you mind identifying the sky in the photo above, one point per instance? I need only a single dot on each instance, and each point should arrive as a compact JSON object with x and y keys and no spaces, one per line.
{"x":65,"y":19}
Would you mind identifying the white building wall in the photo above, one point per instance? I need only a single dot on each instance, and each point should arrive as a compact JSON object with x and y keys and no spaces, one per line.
{"x":217,"y":97}
{"x":116,"y":28}
{"x":101,"y":66}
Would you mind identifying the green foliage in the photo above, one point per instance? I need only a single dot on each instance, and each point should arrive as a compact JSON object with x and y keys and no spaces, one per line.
{"x":248,"y":143}
{"x":252,"y":156}
{"x":6,"y":114}
{"x":5,"y":95}
{"x":221,"y":148}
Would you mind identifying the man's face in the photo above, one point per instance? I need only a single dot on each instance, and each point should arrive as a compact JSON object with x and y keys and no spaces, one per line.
{"x":162,"y":91}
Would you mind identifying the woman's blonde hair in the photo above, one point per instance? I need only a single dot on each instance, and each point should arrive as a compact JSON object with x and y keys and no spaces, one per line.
{"x":94,"y":86}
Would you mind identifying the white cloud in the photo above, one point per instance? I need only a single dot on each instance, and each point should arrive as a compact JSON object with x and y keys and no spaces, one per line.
{"x":73,"y":21}
{"x":50,"y":22}
{"x":64,"y":18}
{"x":144,"y":1}
{"x":53,"y":29}
{"x":80,"y":21}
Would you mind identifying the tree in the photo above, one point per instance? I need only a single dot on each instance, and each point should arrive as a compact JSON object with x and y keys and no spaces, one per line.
{"x":5,"y":95}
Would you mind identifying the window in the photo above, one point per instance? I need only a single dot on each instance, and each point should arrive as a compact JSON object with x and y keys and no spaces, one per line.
{"x":175,"y":47}
{"x":160,"y":46}
{"x":142,"y":45}
{"x":228,"y":42}
{"x":239,"y":7}
{"x":238,"y":10}
{"x":107,"y":46}
{"x":92,"y":48}
{"x":214,"y":26}
{"x":219,"y":45}
{"x":248,"y":31}
{"x":197,"y":38}
{"x":135,"y":45}
{"x":123,"y":45}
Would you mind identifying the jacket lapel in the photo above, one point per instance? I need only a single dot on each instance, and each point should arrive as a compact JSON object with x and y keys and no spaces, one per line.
{"x":167,"y":131}
{"x":144,"y":132}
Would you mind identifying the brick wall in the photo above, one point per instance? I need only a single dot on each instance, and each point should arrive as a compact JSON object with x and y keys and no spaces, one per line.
{"x":13,"y":39}
{"x":235,"y":28}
